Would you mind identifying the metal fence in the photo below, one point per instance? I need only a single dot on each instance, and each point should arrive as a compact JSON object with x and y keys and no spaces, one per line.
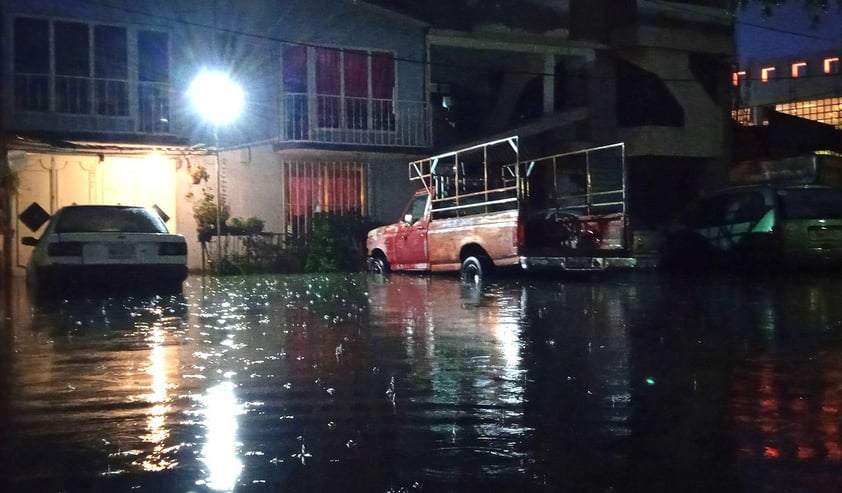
{"x":114,"y":105}
{"x":321,"y":118}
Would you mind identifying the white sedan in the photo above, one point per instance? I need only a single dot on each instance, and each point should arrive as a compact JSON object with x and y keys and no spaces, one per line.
{"x":105,"y":246}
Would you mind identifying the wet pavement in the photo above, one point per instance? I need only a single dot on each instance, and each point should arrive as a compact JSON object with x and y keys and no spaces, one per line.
{"x":357,"y":383}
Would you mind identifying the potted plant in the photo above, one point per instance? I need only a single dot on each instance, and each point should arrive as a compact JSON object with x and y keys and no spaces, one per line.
{"x":198,"y":173}
{"x":204,"y":211}
{"x":205,"y":205}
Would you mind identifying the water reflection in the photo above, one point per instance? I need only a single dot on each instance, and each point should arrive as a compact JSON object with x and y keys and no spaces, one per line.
{"x":785,"y":399}
{"x":408,"y":383}
{"x":105,"y":368}
{"x":220,"y":451}
{"x":463,"y":396}
{"x":159,"y":401}
{"x":580,"y":384}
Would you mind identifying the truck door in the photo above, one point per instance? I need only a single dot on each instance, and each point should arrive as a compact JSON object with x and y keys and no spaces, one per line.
{"x":411,"y":240}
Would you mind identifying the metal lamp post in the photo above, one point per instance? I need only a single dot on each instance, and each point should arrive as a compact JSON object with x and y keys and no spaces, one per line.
{"x":218,"y":100}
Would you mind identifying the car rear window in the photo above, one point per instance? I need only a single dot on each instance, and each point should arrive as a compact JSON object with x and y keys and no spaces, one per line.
{"x":811,"y":203}
{"x":97,"y":219}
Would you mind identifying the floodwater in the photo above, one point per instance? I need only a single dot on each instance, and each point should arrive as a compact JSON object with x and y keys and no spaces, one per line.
{"x":358,"y":383}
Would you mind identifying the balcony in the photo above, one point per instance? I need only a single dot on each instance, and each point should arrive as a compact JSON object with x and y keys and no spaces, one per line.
{"x":328,"y":119}
{"x":82,"y":104}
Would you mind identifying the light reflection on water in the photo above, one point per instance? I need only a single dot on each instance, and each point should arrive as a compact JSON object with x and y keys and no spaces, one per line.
{"x":409,"y":383}
{"x":159,"y":402}
{"x":220,"y":452}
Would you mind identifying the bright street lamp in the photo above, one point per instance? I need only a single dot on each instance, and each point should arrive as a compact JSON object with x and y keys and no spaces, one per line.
{"x":216,"y":97}
{"x":218,"y":100}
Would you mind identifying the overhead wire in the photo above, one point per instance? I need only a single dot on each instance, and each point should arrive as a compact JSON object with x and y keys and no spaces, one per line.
{"x":264,"y":37}
{"x":696,"y":12}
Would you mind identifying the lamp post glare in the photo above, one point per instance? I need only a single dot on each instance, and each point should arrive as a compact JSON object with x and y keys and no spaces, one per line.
{"x":218,"y":100}
{"x":216,"y":97}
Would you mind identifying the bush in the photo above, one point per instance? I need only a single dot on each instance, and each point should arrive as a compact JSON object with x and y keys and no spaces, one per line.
{"x":238,"y":225}
{"x":337,"y":243}
{"x":261,"y":255}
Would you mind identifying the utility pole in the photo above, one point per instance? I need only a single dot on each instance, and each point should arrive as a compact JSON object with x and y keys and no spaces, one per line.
{"x":6,"y":191}
{"x":7,"y":181}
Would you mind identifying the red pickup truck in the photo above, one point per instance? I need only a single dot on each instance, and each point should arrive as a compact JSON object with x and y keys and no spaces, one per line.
{"x":482,"y":208}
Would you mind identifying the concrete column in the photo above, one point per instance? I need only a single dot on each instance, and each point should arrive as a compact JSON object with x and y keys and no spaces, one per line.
{"x":6,"y":191}
{"x":549,"y":84}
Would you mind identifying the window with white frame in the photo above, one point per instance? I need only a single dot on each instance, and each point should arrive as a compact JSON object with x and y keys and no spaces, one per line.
{"x":82,"y":68}
{"x":346,"y":88}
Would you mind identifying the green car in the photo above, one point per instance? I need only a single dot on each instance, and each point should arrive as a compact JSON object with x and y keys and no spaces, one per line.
{"x":764,"y":226}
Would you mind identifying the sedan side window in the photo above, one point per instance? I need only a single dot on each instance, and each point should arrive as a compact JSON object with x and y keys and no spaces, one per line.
{"x":746,"y":207}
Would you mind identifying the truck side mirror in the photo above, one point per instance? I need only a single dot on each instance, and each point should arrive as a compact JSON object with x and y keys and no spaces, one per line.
{"x":407,"y":218}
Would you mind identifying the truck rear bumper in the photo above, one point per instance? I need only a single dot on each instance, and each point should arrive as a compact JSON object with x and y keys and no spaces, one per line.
{"x":577,"y":263}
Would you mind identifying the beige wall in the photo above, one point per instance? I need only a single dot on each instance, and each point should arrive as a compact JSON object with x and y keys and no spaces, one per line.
{"x":56,"y":180}
{"x":251,"y":180}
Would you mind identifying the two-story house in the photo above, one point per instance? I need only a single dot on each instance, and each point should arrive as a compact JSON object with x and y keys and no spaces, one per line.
{"x":96,"y":108}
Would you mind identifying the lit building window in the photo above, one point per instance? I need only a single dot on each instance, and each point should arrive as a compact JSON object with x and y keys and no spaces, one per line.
{"x":828,"y":110}
{"x":799,"y":69}
{"x":766,"y":73}
{"x":742,"y":115}
{"x":738,"y":77}
{"x":831,"y":65}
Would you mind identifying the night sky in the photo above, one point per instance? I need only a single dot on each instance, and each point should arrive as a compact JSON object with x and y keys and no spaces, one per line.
{"x":787,"y":31}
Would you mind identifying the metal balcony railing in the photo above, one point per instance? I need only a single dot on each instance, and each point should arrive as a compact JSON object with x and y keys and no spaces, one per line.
{"x":53,"y":102}
{"x":91,"y":104}
{"x":320,"y":118}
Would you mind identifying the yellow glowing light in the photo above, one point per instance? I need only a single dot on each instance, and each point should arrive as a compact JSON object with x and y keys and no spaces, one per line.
{"x":831,"y":65}
{"x":220,"y":450}
{"x":156,"y":421}
{"x":799,"y":69}
{"x":765,"y":73}
{"x":156,"y":159}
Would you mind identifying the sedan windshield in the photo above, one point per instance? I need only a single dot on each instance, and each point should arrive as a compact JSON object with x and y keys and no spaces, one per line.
{"x":114,"y":219}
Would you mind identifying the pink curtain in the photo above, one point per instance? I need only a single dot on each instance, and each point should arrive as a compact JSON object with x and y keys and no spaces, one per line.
{"x":382,"y":75}
{"x":327,"y":86}
{"x":302,"y":195}
{"x":382,"y":90}
{"x":356,"y":74}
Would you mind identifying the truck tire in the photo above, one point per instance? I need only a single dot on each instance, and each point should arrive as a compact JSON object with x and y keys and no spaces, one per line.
{"x":473,"y":270}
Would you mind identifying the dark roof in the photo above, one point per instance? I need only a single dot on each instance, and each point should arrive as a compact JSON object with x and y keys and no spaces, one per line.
{"x":465,"y":15}
{"x":96,"y":143}
{"x":784,"y":136}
